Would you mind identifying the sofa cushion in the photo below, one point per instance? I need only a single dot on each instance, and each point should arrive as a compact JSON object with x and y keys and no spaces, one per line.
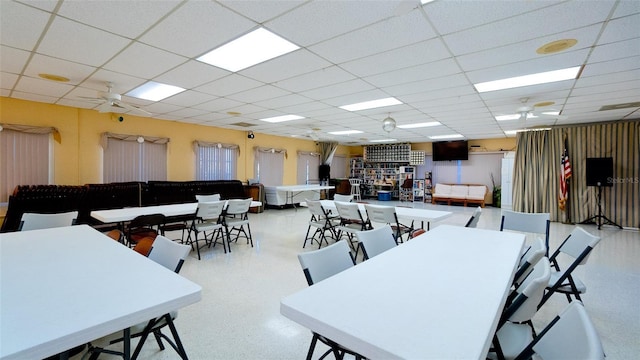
{"x":459,"y":192}
{"x":443,"y":190}
{"x":477,"y":192}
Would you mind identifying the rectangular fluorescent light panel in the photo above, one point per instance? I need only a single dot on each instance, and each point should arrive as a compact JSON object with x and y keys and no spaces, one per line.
{"x":154,"y":91}
{"x":419,"y":125}
{"x":345,"y":132}
{"x":383,"y":140}
{"x":527,"y":80}
{"x":253,"y":48}
{"x":371,"y":104}
{"x":450,"y":136}
{"x":277,"y":119}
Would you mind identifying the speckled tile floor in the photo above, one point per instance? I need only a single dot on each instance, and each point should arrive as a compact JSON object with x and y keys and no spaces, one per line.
{"x":239,"y":315}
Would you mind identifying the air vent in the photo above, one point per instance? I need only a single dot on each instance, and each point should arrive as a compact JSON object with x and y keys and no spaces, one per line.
{"x":243,"y":124}
{"x":621,"y":106}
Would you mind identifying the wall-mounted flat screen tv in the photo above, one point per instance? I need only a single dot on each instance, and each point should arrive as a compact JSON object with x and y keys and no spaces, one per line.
{"x":451,"y":150}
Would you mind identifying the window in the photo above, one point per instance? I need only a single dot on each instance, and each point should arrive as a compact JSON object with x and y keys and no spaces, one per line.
{"x":269,"y":166}
{"x":308,"y":168}
{"x":133,"y":158}
{"x":216,"y":161}
{"x":25,"y":158}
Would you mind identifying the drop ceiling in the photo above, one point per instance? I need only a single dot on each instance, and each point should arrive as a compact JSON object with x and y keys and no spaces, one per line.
{"x":427,"y":56}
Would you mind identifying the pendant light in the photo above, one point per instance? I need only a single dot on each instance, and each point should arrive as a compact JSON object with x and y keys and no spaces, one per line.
{"x":388,"y":124}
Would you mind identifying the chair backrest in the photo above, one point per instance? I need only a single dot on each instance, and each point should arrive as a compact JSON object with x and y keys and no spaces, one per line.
{"x":208,"y":198}
{"x":168,"y":253}
{"x":328,"y":261}
{"x":349,"y":211}
{"x":316,"y":209}
{"x":525,"y":222}
{"x":530,"y":293}
{"x":343,"y":198}
{"x":528,"y":260}
{"x":34,"y":221}
{"x":355,"y":181}
{"x":571,"y":335}
{"x":578,"y":245}
{"x":376,"y":241}
{"x":475,"y":217}
{"x":238,"y":206}
{"x":381,"y":214}
{"x":150,"y":220}
{"x":210,"y":210}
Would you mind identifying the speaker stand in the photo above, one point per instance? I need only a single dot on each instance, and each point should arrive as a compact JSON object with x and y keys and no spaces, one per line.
{"x":600,"y":219}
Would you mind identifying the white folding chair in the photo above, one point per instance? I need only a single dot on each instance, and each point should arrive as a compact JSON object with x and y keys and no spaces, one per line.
{"x":171,"y":255}
{"x":515,"y":329}
{"x":322,"y":221}
{"x":351,"y":221}
{"x":319,"y":265}
{"x":208,"y":220}
{"x":536,"y":223}
{"x":35,"y":221}
{"x":235,"y":218}
{"x":387,"y":215}
{"x":570,"y":335}
{"x":343,"y":198}
{"x":475,"y":217}
{"x":577,"y":246}
{"x":376,"y":241}
{"x":528,"y":260}
{"x":208,"y":198}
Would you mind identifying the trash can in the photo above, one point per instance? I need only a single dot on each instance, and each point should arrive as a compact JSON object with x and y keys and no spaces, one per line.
{"x":384,"y":195}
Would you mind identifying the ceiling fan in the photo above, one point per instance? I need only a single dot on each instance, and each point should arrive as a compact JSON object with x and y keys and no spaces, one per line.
{"x":109,"y":100}
{"x":529,"y":112}
{"x":313,"y":134}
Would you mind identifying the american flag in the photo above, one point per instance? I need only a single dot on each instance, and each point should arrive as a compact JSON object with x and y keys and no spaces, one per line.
{"x":565,"y":174}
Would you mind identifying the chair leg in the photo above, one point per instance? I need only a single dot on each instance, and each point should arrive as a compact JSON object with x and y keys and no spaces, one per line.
{"x":312,"y":346}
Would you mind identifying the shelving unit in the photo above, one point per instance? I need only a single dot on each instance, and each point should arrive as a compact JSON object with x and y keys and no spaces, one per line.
{"x":427,"y":186}
{"x":357,"y":168}
{"x":388,"y":153}
{"x":418,"y":190}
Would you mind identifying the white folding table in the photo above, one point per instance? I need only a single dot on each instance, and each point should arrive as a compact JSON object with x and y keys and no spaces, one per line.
{"x":438,"y":296}
{"x":292,"y":190}
{"x":64,"y":287}
{"x":128,"y":214}
{"x":413,"y":214}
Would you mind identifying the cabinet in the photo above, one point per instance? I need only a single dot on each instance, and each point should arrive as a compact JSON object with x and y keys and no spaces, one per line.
{"x":256,"y":192}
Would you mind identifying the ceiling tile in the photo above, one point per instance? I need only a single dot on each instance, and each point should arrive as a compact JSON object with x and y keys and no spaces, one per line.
{"x":7,"y":80}
{"x":191,"y":74}
{"x":126,"y":18}
{"x":259,"y":10}
{"x":13,"y":60}
{"x":210,"y":25}
{"x":134,"y":61}
{"x":88,"y":45}
{"x":228,"y":85}
{"x":76,"y":73}
{"x":15,"y":31}
{"x":189,"y":98}
{"x":42,"y":87}
{"x":383,"y":36}
{"x":286,"y":66}
{"x":316,"y":79}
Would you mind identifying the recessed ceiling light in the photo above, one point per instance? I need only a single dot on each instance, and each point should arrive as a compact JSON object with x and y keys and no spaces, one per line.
{"x":556,"y":46}
{"x":383,"y":140}
{"x":544,"y":103}
{"x":52,"y":77}
{"x":233,"y":113}
{"x":450,"y":136}
{"x":508,"y":117}
{"x":345,"y":132}
{"x":277,"y":119}
{"x":154,"y":91}
{"x":419,"y":125}
{"x":253,"y":48}
{"x":371,"y":104}
{"x":527,"y":80}
{"x":425,"y":1}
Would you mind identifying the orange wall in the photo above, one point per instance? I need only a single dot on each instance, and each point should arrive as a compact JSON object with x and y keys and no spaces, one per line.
{"x":78,"y":158}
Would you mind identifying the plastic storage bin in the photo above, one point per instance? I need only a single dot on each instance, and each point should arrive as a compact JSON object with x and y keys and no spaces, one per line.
{"x":384,"y":195}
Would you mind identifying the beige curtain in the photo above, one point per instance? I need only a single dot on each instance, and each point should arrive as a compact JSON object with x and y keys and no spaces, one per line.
{"x":537,"y":172}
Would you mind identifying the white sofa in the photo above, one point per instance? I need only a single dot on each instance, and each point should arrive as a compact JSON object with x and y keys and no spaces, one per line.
{"x":459,"y":193}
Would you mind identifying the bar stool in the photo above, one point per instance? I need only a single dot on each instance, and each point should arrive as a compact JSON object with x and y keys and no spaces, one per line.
{"x":355,"y":189}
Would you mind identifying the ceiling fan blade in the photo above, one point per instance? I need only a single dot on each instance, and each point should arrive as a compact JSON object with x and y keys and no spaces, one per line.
{"x":549,"y":116}
{"x":105,"y":107}
{"x":133,"y":108}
